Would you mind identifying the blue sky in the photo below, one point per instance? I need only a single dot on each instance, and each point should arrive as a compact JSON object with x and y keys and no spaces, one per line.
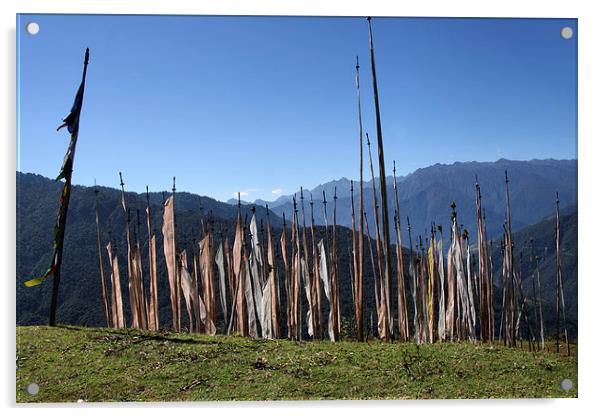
{"x":264,"y":105}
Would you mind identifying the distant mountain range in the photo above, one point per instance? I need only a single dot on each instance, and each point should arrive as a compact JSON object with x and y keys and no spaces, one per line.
{"x":431,"y":188}
{"x":426,"y":194}
{"x":37,"y":205}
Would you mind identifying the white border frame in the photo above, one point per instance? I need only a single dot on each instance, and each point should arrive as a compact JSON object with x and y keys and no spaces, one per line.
{"x":589,"y":92}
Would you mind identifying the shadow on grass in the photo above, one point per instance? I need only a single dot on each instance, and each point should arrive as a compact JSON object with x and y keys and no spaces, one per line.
{"x":137,"y":336}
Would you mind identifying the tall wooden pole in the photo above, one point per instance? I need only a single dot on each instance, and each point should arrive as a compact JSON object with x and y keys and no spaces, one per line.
{"x":483,"y":281}
{"x":316,"y":286}
{"x":331,"y":257}
{"x":152,"y":262}
{"x":374,"y":280}
{"x":383,"y":332}
{"x":287,"y":282}
{"x":510,"y":248}
{"x":537,"y":293}
{"x":100,"y":262}
{"x":383,"y":189}
{"x":175,"y":249}
{"x":142,"y":300}
{"x":402,"y":311}
{"x":296,"y":270}
{"x":353,"y":260}
{"x":133,"y":292}
{"x":307,"y":269}
{"x":66,"y":196}
{"x":413,"y":277}
{"x":559,"y":288}
{"x":359,"y":284}
{"x":334,"y":286}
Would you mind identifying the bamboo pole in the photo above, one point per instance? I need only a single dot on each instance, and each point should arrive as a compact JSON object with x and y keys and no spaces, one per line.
{"x":142,"y":302}
{"x":383,"y":192}
{"x":296,"y":255}
{"x":331,"y":269}
{"x":334,"y":287}
{"x":383,"y":333}
{"x":402,"y":306}
{"x":317,"y":294}
{"x":66,"y":196}
{"x":537,"y":293}
{"x":510,"y":248}
{"x":130,"y":266}
{"x":559,"y":288}
{"x":354,"y":269}
{"x":414,"y":282}
{"x":374,"y":280}
{"x":488,"y":281}
{"x":152,"y":261}
{"x":175,"y":249}
{"x":273,"y":282}
{"x":100,"y":262}
{"x":311,"y":305}
{"x":359,"y":286}
{"x":482,"y":268}
{"x":287,"y":282}
{"x":490,"y":292}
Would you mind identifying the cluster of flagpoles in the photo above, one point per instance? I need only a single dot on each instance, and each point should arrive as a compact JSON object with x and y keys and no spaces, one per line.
{"x":450,"y":299}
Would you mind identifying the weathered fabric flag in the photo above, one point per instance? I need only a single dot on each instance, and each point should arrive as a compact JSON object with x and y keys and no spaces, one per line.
{"x":186,"y":283}
{"x":257,"y":288}
{"x":252,"y":320}
{"x":132,"y":287}
{"x":255,"y":243}
{"x":142,"y":301}
{"x":203,"y":309}
{"x":306,"y":283}
{"x":59,"y":227}
{"x":266,"y":312}
{"x":256,"y":263}
{"x":412,"y":270}
{"x":451,"y":291}
{"x":72,"y":120}
{"x":239,"y":277}
{"x":326,"y":283}
{"x":196,"y":305}
{"x":431,"y":290}
{"x":287,"y":283}
{"x":169,"y":250}
{"x":441,"y":324}
{"x":203,"y":313}
{"x":207,"y":281}
{"x":464,"y":299}
{"x":471,"y":303}
{"x":274,"y":286}
{"x":219,"y":260}
{"x":116,"y":297}
{"x":296,"y":283}
{"x":154,"y":295}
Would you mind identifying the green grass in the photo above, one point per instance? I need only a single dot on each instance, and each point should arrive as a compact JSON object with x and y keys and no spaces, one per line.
{"x":99,"y":364}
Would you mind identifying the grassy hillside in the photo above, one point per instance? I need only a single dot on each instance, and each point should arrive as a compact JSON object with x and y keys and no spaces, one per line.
{"x":544,"y":246}
{"x":94,"y":364}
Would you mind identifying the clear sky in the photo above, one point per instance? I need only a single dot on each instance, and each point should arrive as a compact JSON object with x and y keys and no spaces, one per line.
{"x":263,"y":105}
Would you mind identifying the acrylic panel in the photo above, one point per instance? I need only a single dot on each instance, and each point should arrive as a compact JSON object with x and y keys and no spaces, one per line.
{"x":218,"y":208}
